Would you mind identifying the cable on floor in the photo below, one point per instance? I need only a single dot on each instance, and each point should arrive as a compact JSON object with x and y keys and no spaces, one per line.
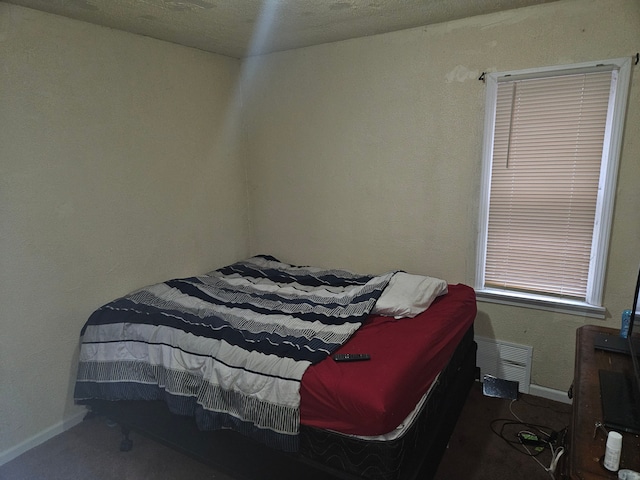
{"x":531,"y":439}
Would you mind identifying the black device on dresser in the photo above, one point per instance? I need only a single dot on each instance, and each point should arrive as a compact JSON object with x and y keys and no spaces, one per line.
{"x":620,"y":391}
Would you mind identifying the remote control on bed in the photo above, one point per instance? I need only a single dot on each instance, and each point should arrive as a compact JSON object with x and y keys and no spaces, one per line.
{"x":351,"y":357}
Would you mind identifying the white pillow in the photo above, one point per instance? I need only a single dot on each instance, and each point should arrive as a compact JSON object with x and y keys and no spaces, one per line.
{"x":408,"y":295}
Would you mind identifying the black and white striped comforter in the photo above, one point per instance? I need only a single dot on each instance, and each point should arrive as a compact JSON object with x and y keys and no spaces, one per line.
{"x":229,"y":347}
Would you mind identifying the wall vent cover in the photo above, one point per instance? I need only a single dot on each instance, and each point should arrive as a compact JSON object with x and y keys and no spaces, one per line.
{"x":505,"y":360}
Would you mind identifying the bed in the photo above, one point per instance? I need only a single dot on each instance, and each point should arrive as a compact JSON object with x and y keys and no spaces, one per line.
{"x":236,"y":367}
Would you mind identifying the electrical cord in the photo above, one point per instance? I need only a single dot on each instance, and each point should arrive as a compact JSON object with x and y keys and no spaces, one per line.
{"x":516,"y":442}
{"x":539,"y":437}
{"x":555,"y":457}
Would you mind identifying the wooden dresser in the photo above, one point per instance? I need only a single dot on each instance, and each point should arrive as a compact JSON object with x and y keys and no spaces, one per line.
{"x":584,"y":456}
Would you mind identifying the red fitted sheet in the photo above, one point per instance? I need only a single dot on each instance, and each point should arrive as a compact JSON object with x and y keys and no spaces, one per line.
{"x":373,"y":397}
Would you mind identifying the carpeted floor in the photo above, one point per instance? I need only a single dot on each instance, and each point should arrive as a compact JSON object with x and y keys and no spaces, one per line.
{"x":90,"y":450}
{"x":475,"y":452}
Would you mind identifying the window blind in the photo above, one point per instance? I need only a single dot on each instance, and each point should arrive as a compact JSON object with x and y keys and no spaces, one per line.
{"x":547,"y":156}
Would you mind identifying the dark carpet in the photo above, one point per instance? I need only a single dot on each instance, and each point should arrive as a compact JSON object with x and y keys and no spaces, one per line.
{"x":476,"y":452}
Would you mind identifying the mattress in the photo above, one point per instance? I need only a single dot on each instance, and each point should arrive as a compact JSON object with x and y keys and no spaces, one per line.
{"x":374,"y":397}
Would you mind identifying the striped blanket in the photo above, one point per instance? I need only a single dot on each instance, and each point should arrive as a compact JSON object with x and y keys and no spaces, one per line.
{"x":229,"y":347}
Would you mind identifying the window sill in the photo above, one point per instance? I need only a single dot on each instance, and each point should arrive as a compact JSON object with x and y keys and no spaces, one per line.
{"x":541,"y":302}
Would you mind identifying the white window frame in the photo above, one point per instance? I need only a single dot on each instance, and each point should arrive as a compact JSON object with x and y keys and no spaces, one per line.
{"x":592,"y":306}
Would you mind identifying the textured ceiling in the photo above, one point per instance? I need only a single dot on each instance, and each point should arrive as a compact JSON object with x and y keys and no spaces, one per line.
{"x":240,"y":28}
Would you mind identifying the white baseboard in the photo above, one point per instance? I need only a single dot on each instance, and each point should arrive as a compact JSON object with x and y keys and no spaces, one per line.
{"x":41,"y":437}
{"x":549,"y":393}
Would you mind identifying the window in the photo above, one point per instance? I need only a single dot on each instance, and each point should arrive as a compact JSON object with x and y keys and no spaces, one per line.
{"x":551,"y":148}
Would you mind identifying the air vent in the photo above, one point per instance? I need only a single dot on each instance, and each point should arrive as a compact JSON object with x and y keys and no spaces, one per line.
{"x":505,"y":360}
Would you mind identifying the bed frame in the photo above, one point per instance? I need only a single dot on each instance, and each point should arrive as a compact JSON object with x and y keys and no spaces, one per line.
{"x":323,"y":455}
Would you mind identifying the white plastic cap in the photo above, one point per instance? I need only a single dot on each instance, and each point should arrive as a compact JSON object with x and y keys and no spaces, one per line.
{"x":614,"y":441}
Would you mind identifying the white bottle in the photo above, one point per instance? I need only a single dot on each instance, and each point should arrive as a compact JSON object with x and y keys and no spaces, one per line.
{"x":612,"y":451}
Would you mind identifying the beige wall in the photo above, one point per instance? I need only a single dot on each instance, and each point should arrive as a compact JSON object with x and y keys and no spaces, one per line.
{"x":118,"y":168}
{"x":367,"y":154}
